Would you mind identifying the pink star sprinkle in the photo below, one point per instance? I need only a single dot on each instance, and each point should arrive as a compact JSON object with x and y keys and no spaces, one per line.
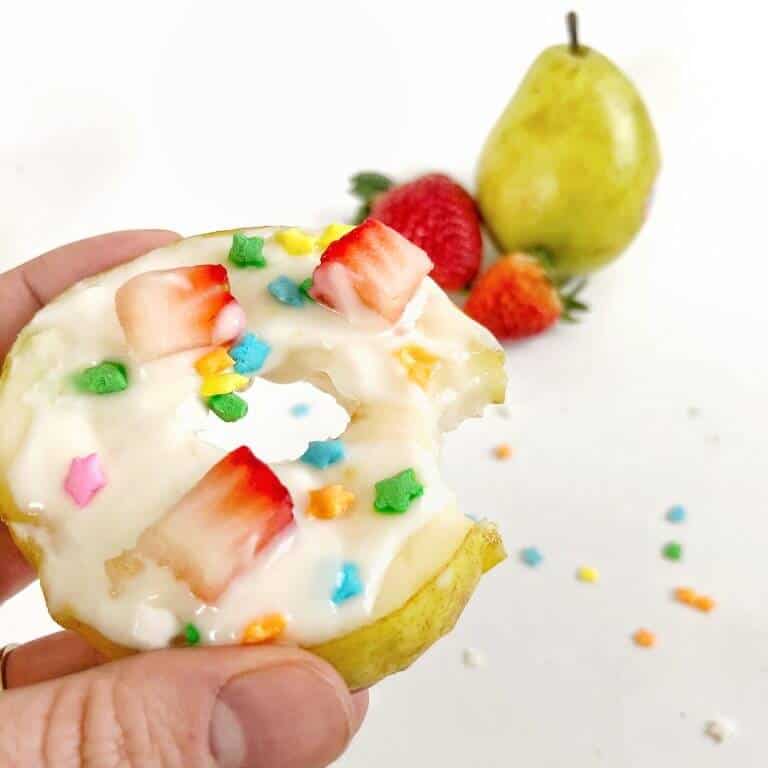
{"x":84,"y":479}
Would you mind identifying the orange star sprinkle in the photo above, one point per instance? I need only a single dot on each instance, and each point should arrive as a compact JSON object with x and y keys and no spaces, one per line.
{"x":330,"y":502}
{"x":266,"y":628}
{"x":215,"y":361}
{"x":418,"y":363}
{"x":502,"y":451}
{"x":644,"y":638}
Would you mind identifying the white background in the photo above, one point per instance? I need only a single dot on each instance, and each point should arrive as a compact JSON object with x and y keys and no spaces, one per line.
{"x":200,"y":116}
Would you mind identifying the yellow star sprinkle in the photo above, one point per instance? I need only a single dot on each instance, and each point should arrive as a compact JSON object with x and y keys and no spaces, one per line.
{"x":223,"y":384}
{"x":333,"y":232}
{"x":296,"y":242}
{"x":215,"y":361}
{"x":588,"y":574}
{"x":418,"y":363}
{"x":330,"y":502}
{"x":266,"y":628}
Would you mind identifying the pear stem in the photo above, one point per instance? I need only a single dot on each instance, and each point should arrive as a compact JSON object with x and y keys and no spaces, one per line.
{"x":572,"y":23}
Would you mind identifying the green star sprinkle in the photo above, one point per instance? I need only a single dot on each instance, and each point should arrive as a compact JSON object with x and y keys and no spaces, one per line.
{"x":192,"y":634}
{"x":229,"y":407}
{"x":305,"y":286}
{"x":247,"y":251}
{"x":395,"y":494}
{"x":672,"y":551}
{"x":102,"y":379}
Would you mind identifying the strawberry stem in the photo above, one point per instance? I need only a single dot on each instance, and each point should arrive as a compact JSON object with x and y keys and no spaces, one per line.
{"x":367,"y":186}
{"x":569,"y":296}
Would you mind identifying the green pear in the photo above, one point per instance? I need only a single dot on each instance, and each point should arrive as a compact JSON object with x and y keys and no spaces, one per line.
{"x":569,"y":167}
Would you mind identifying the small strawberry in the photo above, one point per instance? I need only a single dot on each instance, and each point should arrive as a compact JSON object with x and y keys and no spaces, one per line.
{"x":433,"y":212}
{"x":172,"y":310}
{"x":373,"y":268}
{"x":516,"y":298}
{"x":214,"y":532}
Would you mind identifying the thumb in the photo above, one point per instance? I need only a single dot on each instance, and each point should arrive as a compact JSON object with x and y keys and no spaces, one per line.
{"x":197,"y":708}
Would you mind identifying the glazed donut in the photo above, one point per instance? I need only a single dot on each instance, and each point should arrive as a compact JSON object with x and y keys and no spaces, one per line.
{"x":235,"y":439}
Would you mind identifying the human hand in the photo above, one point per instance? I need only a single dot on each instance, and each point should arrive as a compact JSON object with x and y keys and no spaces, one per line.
{"x":244,"y":707}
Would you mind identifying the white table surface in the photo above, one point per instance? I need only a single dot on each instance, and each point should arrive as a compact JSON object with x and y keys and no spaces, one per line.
{"x":200,"y":116}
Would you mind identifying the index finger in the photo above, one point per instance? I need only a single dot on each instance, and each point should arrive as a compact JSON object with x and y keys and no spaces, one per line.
{"x":29,"y":287}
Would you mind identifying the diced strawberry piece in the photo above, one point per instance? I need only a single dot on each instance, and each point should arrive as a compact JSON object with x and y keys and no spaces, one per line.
{"x":173,"y":310}
{"x":215,"y":531}
{"x":372,"y":266}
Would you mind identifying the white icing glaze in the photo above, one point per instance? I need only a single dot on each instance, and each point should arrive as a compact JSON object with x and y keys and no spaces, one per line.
{"x":156,"y":440}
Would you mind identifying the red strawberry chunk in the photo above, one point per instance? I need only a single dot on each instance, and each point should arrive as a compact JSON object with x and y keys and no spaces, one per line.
{"x":372,"y":267}
{"x":173,"y":310}
{"x":438,"y":215}
{"x":216,"y":530}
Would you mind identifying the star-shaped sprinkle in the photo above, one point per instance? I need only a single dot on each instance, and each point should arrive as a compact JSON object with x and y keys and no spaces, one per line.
{"x":223,"y":384}
{"x":305,"y":286}
{"x":418,"y":363}
{"x":215,"y":361}
{"x":330,"y":502}
{"x":103,"y":379}
{"x":247,"y":251}
{"x":396,"y":494}
{"x":333,"y":232}
{"x":229,"y":407}
{"x":84,"y":479}
{"x":296,"y":242}
{"x":286,"y":291}
{"x":249,"y":354}
{"x":192,"y":635}
{"x":644,"y":638}
{"x":348,"y":583}
{"x":266,"y":628}
{"x":323,"y":453}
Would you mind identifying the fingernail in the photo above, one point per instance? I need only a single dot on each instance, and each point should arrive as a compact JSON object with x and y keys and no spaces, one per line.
{"x":284,"y":717}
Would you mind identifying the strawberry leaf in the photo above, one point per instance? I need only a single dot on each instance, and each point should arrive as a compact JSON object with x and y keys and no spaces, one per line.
{"x":367,"y":186}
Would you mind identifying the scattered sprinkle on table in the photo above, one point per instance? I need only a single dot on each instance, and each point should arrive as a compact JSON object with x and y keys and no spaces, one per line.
{"x":215,"y":361}
{"x":531,"y":556}
{"x":394,"y":495}
{"x":685,"y":595}
{"x":323,"y":453}
{"x":300,"y":410}
{"x":719,"y":729}
{"x":704,"y":603}
{"x":588,"y":574}
{"x":191,"y":634}
{"x":229,"y":407}
{"x":85,"y":479}
{"x":474,"y":658}
{"x":103,"y":379}
{"x":676,"y":514}
{"x":348,"y":583}
{"x":330,"y":502}
{"x":247,"y":251}
{"x":266,"y":628}
{"x":503,"y":451}
{"x":286,"y":291}
{"x":644,"y":638}
{"x":673,"y":550}
{"x":249,"y":354}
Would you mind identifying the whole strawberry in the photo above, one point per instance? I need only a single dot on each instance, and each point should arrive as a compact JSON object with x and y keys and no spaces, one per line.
{"x":515,"y":298}
{"x":435,"y":213}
